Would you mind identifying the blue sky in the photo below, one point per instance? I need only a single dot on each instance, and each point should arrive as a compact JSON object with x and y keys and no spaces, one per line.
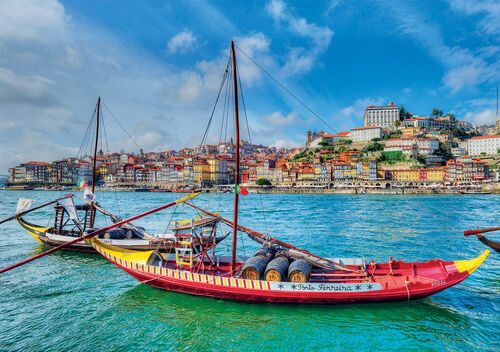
{"x":158,"y":65}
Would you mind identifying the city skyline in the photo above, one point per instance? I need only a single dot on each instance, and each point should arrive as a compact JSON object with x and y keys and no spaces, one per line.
{"x":160,"y":78}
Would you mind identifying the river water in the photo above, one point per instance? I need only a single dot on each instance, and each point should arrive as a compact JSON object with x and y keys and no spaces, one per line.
{"x":80,"y":302}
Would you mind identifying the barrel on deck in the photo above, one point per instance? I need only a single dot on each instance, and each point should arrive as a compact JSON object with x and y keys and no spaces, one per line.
{"x":277,"y":269}
{"x":299,"y":271}
{"x":254,"y":267}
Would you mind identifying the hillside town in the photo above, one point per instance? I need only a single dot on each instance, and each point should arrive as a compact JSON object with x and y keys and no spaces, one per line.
{"x":393,"y":148}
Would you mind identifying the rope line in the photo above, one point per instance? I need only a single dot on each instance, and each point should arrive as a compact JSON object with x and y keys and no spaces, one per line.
{"x":287,"y":90}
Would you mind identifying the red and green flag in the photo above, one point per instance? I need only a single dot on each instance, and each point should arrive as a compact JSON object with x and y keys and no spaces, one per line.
{"x":240,"y":190}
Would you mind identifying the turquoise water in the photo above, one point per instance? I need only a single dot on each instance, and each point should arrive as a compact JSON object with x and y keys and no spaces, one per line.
{"x":80,"y":302}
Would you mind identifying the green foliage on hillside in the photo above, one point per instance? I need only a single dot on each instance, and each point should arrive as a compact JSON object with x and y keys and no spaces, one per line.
{"x":262,"y":182}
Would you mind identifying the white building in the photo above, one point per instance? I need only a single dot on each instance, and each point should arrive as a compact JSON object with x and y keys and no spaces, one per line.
{"x":412,"y":146}
{"x":365,"y":134}
{"x":381,"y":116}
{"x":483,"y":144}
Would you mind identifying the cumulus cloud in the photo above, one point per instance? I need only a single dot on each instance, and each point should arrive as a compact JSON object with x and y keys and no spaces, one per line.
{"x":300,"y":59}
{"x":182,"y":42}
{"x":483,"y":117}
{"x":31,"y":19}
{"x":277,"y":118}
{"x":25,"y":89}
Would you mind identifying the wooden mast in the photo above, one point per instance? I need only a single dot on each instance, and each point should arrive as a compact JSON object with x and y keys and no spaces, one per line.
{"x":92,"y":210}
{"x":237,"y":163}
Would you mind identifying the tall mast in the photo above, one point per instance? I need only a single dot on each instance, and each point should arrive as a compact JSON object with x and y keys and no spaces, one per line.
{"x":92,"y":211}
{"x":237,"y":164}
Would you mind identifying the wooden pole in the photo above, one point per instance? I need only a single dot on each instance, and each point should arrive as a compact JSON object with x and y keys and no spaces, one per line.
{"x":92,"y":210}
{"x":479,"y":231}
{"x":237,"y":163}
{"x":97,"y":232}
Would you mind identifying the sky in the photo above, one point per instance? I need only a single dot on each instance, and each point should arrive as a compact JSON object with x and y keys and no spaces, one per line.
{"x":158,"y":66}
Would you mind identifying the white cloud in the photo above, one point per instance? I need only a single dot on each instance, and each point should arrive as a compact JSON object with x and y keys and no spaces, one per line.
{"x":464,"y":69}
{"x":299,"y":59}
{"x":31,"y":19}
{"x":352,"y":115}
{"x":278,"y":119}
{"x":182,"y":42}
{"x":483,"y":117}
{"x":24,"y":89}
{"x":256,"y":45}
{"x":287,"y":143}
{"x":490,"y":23}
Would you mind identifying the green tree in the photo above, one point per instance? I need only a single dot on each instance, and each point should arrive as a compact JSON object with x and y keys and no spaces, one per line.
{"x":403,"y":114}
{"x":373,"y":147}
{"x":436,"y":112}
{"x":444,"y":151}
{"x":261,"y":181}
{"x":323,"y":144}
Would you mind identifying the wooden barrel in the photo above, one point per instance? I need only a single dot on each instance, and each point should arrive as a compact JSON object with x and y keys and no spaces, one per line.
{"x":264,"y":253}
{"x":254,"y":268}
{"x":299,"y":271}
{"x":277,"y":269}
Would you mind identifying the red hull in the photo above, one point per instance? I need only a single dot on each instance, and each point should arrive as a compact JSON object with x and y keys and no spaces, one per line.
{"x":397,"y":281}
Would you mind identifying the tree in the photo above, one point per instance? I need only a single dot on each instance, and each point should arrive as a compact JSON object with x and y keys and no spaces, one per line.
{"x":403,"y":114}
{"x":261,"y":181}
{"x":397,"y":123}
{"x":436,"y":112}
{"x":344,"y":141}
{"x":444,"y":151}
{"x":323,"y":144}
{"x":373,"y":147}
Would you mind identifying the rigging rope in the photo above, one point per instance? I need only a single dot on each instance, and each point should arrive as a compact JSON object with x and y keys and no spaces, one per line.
{"x":287,"y":90}
{"x":215,"y":105}
{"x":119,"y":124}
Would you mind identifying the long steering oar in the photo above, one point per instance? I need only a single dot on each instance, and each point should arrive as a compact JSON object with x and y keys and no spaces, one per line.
{"x":97,"y":232}
{"x":35,"y":208}
{"x":479,"y":231}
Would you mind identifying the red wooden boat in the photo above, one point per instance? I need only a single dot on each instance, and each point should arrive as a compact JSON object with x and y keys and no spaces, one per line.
{"x":280,"y":272}
{"x":382,"y":282}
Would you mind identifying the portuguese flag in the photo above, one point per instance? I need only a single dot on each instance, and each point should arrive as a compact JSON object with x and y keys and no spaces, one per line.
{"x":240,"y":190}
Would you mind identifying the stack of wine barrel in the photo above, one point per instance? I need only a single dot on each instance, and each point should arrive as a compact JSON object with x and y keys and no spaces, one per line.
{"x":270,"y":266}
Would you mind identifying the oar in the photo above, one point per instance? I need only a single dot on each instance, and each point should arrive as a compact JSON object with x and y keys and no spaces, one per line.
{"x":97,"y":232}
{"x":327,"y":263}
{"x":479,"y":231}
{"x":35,"y":208}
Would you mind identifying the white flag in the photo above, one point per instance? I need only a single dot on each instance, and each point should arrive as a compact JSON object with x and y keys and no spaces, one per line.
{"x":23,"y":204}
{"x":88,"y":196}
{"x":69,"y":206}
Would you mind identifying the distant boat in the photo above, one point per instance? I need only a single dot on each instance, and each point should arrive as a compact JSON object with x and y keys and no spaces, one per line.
{"x":474,"y":192}
{"x":129,"y":236}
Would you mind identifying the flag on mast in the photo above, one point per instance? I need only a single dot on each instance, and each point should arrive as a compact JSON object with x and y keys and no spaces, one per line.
{"x":240,"y":190}
{"x":23,"y":204}
{"x":88,"y":196}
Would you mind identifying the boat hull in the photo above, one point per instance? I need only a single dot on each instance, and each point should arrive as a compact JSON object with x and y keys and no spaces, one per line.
{"x":431,"y":278}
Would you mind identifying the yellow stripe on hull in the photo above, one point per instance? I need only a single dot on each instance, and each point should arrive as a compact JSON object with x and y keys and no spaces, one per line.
{"x":33,"y":231}
{"x":138,"y":257}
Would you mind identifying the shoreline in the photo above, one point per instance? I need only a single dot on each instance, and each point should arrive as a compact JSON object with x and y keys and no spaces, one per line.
{"x":494,"y":189}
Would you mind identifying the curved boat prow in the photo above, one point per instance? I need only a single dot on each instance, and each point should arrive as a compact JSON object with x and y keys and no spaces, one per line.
{"x":471,"y":265}
{"x":116,"y":254}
